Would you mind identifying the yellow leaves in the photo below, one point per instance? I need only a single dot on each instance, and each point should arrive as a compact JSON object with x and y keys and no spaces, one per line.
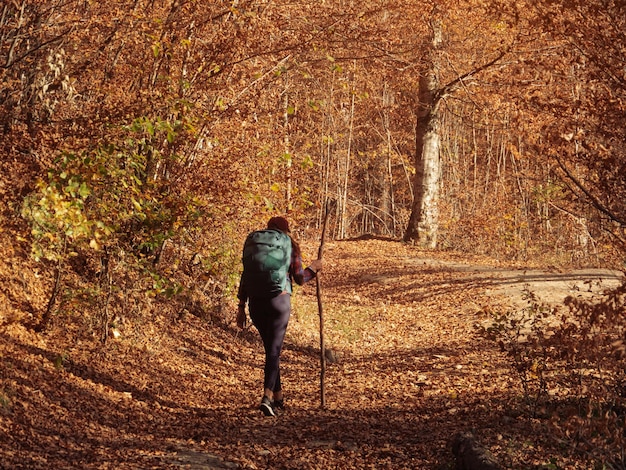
{"x":500,"y":26}
{"x":220,"y":103}
{"x":136,"y":204}
{"x":315,"y":105}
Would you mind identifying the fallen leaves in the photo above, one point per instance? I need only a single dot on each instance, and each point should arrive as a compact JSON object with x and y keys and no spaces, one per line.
{"x":410,"y":373}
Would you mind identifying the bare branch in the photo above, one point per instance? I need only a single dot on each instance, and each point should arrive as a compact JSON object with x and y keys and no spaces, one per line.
{"x":594,"y":201}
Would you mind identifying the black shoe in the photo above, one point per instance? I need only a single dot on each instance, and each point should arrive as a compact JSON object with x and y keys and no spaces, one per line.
{"x":266,"y":407}
{"x":279,"y":406}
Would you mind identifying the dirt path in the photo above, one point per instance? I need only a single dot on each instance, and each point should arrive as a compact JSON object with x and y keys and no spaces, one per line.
{"x":550,"y":286}
{"x":411,"y":373}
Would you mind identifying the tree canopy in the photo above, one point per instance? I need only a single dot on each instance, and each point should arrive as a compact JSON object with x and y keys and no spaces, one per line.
{"x":128,"y":125}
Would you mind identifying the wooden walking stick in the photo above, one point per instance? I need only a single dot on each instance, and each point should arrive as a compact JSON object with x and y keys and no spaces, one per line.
{"x":321,"y":313}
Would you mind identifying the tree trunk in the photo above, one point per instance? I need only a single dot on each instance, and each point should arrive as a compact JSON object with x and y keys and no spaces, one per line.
{"x":388,"y":204}
{"x":424,"y":220}
{"x":288,"y":156}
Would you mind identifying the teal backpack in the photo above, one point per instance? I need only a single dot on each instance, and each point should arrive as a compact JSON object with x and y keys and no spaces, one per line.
{"x":266,"y":260}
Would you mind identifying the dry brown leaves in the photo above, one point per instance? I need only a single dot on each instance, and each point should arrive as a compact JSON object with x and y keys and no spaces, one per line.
{"x":410,"y":374}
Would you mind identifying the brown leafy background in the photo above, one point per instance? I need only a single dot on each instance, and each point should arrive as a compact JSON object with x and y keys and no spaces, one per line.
{"x":140,"y":141}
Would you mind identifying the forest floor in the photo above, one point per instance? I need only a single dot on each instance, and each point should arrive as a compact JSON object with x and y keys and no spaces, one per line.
{"x":410,"y":371}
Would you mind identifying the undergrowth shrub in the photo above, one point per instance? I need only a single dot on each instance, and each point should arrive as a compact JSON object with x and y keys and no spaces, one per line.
{"x":522,"y":334}
{"x":571,"y":364}
{"x":207,"y":269}
{"x":105,"y":215}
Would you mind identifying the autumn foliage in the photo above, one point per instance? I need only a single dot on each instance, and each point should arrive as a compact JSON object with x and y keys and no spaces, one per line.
{"x":142,"y":140}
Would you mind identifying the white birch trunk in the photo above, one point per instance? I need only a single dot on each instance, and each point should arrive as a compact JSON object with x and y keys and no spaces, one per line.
{"x":424,"y":220}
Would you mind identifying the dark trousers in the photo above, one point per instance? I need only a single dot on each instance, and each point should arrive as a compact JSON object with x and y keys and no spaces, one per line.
{"x":270,"y":317}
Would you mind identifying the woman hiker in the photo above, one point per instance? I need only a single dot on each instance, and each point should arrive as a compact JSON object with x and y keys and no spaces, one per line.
{"x":271,"y":261}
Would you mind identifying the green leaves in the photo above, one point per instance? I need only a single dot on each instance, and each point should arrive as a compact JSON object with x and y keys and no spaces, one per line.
{"x":113,"y":195}
{"x":57,"y":216}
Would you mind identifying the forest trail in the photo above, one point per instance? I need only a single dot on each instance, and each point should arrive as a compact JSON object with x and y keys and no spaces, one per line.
{"x":411,"y":372}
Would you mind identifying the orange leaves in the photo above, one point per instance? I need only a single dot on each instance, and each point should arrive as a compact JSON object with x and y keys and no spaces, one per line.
{"x":177,"y":390}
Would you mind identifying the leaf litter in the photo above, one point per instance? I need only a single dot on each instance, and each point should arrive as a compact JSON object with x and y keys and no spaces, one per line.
{"x":409,"y":373}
